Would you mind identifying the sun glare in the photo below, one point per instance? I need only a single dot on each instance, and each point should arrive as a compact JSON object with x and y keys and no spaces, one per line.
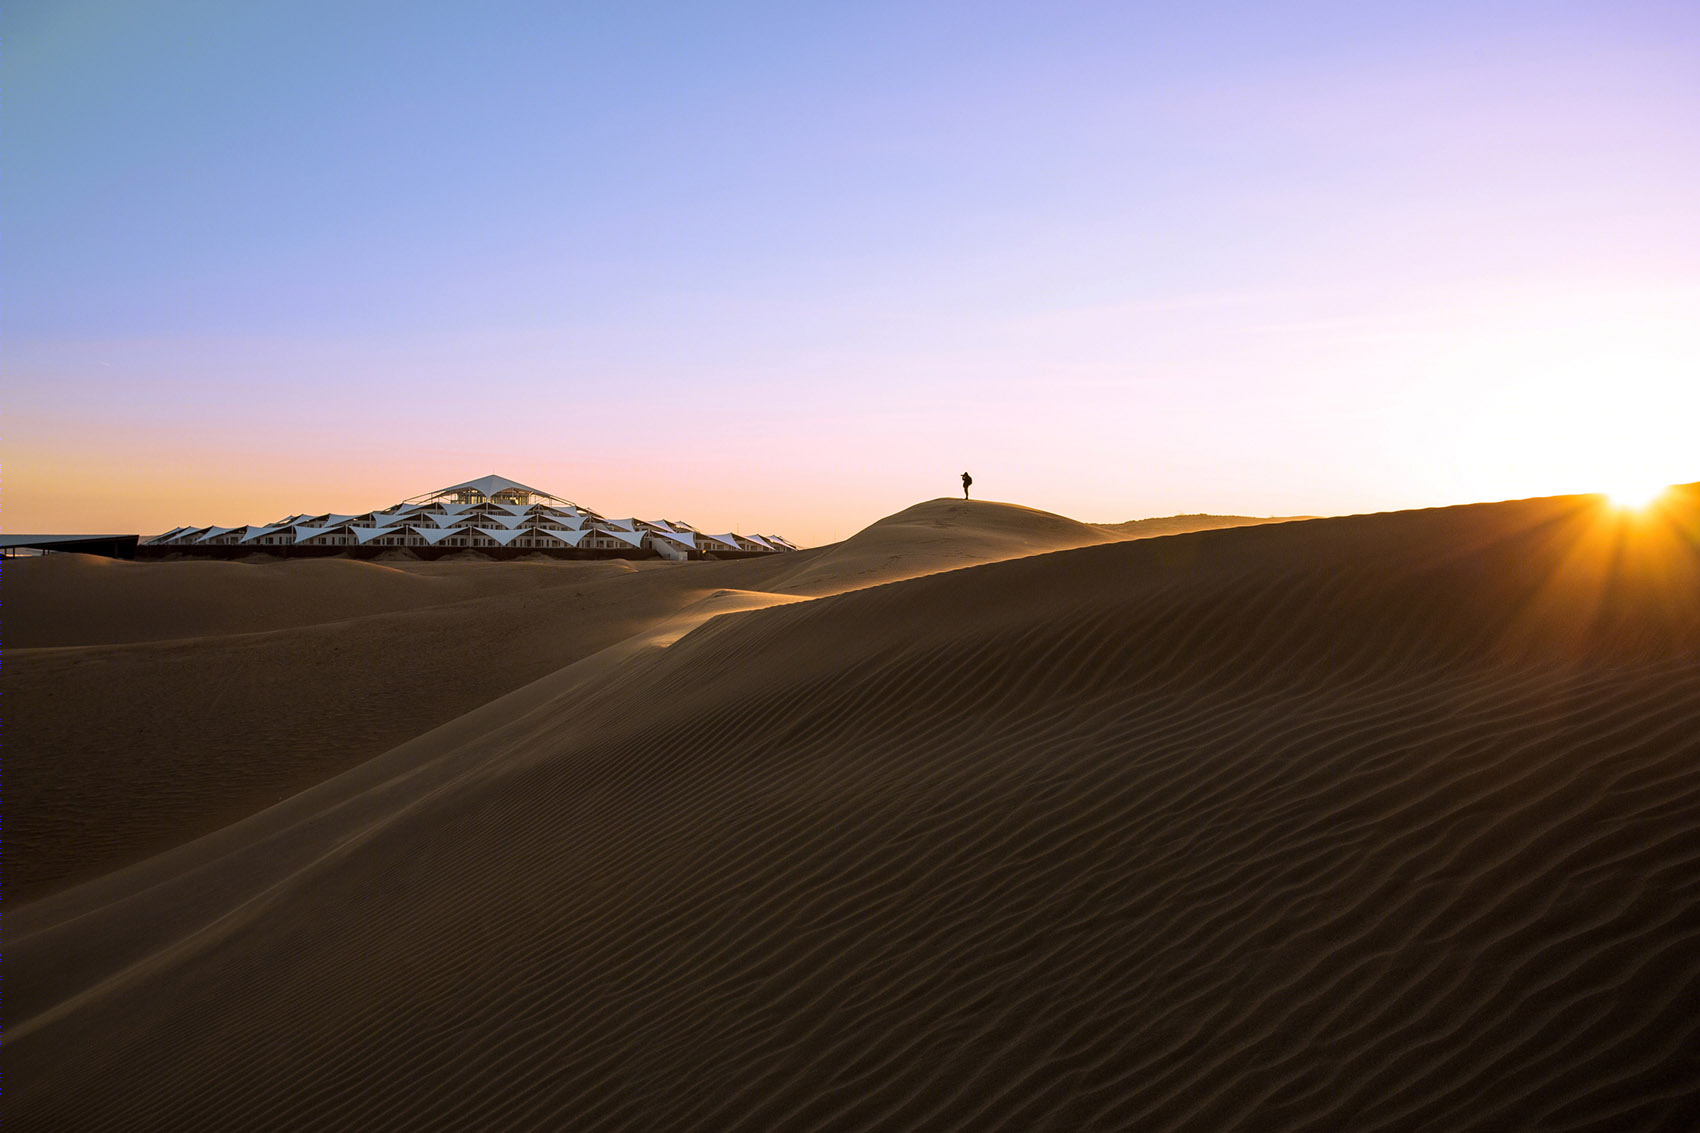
{"x":1635,"y":495}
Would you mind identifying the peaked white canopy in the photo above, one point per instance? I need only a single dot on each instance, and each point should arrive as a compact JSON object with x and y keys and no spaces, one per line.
{"x":635,"y":538}
{"x":471,"y":508}
{"x":490,"y":485}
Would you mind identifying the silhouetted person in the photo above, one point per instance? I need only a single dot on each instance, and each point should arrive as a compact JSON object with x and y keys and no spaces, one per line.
{"x":967,"y":482}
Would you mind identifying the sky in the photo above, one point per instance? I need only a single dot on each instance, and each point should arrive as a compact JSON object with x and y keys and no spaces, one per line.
{"x":789,"y":267}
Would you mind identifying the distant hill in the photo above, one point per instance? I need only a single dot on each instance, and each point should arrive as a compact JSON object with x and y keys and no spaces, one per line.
{"x":1181,"y":524}
{"x":935,"y":535}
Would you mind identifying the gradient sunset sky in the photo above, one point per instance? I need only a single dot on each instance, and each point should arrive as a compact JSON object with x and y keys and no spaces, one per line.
{"x":791,"y":267}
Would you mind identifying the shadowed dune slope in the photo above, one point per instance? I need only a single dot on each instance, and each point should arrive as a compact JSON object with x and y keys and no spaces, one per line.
{"x":1383,"y":822}
{"x":58,"y":600}
{"x":115,"y":752}
{"x":225,"y":687}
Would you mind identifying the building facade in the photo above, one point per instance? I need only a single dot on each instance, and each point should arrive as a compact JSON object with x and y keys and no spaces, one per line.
{"x":492,"y":515}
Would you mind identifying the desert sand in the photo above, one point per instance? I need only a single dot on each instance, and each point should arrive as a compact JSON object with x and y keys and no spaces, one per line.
{"x":982,"y":819}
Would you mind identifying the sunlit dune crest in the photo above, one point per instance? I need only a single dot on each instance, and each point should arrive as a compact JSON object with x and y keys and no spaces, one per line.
{"x":1635,"y":494}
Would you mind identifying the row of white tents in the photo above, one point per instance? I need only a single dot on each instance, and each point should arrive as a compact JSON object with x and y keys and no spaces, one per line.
{"x":484,"y":514}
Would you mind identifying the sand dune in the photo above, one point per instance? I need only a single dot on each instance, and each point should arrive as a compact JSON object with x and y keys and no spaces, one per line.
{"x":118,"y":751}
{"x":230,"y":686}
{"x":82,"y":600}
{"x":1185,"y":524}
{"x":942,"y":534}
{"x":1381,"y":822}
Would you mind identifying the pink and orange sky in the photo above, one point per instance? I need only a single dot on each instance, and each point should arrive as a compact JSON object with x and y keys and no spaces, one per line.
{"x":793,"y":267}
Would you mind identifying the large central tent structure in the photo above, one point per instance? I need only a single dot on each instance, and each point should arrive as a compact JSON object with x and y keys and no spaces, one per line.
{"x":490,"y":489}
{"x":492,"y":514}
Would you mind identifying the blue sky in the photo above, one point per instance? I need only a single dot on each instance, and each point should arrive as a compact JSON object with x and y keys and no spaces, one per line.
{"x":794,"y":266}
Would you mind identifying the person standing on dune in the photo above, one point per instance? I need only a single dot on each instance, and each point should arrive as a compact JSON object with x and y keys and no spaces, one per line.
{"x":967,"y":481}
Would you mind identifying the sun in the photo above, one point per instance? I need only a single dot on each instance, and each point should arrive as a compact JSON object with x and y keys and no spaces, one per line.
{"x":1633,"y":495}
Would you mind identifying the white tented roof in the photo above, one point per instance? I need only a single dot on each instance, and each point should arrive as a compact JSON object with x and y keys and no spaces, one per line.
{"x":490,"y":485}
{"x":301,"y":533}
{"x":432,"y":519}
